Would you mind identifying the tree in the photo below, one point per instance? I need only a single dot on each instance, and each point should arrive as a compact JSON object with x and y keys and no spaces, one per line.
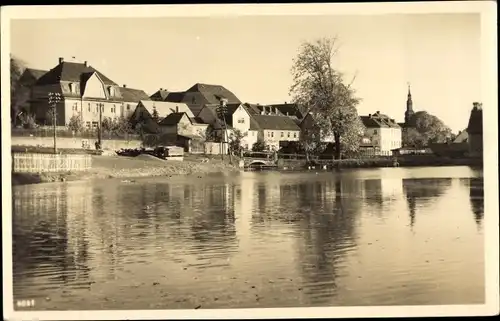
{"x":310,"y":140}
{"x":155,"y":115}
{"x":76,"y":123}
{"x":427,"y":129}
{"x":321,"y":88}
{"x":259,"y":146}
{"x":107,"y":125}
{"x":28,"y":121}
{"x":49,"y":116}
{"x":17,"y":68}
{"x":235,"y":142}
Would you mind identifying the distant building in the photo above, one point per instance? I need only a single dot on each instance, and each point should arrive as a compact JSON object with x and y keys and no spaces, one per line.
{"x":181,"y":123}
{"x":475,"y":130}
{"x":200,"y":95}
{"x":165,"y":95}
{"x":146,"y":109}
{"x":384,"y":133}
{"x":274,"y":129}
{"x":462,"y":137}
{"x":408,"y":121}
{"x":83,"y":89}
{"x":22,"y":99}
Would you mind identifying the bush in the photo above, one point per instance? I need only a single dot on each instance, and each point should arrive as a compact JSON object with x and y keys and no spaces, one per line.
{"x":259,"y":146}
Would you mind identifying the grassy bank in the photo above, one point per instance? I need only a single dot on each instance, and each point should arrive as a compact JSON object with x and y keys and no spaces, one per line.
{"x":132,"y":167}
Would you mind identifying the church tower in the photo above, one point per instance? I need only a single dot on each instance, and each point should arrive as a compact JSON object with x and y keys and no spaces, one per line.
{"x":409,"y":108}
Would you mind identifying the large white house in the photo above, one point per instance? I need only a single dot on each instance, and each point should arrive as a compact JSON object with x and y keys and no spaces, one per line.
{"x":383,"y":131}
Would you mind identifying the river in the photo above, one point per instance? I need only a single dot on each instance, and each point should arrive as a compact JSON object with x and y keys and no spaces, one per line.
{"x":391,"y":236}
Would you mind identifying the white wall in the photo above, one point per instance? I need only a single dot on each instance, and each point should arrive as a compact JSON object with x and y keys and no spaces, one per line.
{"x":94,"y":88}
{"x":385,"y":139}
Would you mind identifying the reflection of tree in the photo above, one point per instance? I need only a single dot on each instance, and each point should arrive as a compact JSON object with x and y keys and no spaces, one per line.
{"x":476,"y":197}
{"x":328,"y":230}
{"x":422,"y":191}
{"x":373,"y":188}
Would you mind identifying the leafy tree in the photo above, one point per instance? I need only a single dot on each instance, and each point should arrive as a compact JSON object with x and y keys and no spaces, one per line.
{"x":107,"y":125}
{"x":320,"y":87}
{"x":76,"y":123}
{"x":28,"y":121}
{"x":17,"y":68}
{"x":426,"y":129}
{"x":49,"y":117}
{"x":235,"y":142}
{"x":259,"y":146}
{"x":122,"y":125}
{"x":310,"y":140}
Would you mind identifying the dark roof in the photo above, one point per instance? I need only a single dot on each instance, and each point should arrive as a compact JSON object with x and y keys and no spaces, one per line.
{"x":475,"y":121}
{"x":292,"y":109}
{"x":160,"y":95}
{"x":208,"y":94}
{"x":133,"y":95}
{"x":378,"y":120}
{"x":70,"y":71}
{"x":175,"y":97}
{"x":274,"y":122}
{"x":172,"y":119}
{"x":36,"y":73}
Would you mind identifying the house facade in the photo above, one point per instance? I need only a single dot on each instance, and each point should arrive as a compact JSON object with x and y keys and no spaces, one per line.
{"x":84,"y":92}
{"x":274,"y":129}
{"x":384,"y":133}
{"x":181,"y":124}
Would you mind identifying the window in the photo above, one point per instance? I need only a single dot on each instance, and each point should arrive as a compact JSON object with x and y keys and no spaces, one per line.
{"x":87,"y":124}
{"x":282,"y":134}
{"x":272,"y":134}
{"x":128,"y":107}
{"x":241,"y":120}
{"x":94,"y":124}
{"x":294,"y":135}
{"x":288,"y":134}
{"x":89,"y":106}
{"x":375,"y":132}
{"x":111,"y":91}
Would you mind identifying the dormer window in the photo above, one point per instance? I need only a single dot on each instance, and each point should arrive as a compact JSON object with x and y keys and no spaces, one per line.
{"x":111,"y":91}
{"x":72,"y":88}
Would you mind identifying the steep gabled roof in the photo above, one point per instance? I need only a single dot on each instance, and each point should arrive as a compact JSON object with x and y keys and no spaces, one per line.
{"x":378,"y":120}
{"x":133,"y":95}
{"x":30,"y":76}
{"x":165,"y":108}
{"x":173,"y":119}
{"x":273,"y":122}
{"x":72,"y":72}
{"x":289,"y":109}
{"x":211,"y":94}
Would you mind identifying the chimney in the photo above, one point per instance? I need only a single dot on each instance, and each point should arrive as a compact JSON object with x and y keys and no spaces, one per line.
{"x":124,"y":86}
{"x":370,"y":115}
{"x":86,"y":63}
{"x":475,"y":105}
{"x":161,"y":88}
{"x":287,"y":113}
{"x":285,"y":102}
{"x":378,"y":112}
{"x":61,"y":60}
{"x":276,"y":110}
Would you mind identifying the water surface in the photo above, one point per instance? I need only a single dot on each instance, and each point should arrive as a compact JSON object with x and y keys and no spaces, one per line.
{"x":392,"y":236}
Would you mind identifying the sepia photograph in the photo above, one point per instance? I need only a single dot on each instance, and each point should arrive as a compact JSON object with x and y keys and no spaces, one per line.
{"x":214,"y":161}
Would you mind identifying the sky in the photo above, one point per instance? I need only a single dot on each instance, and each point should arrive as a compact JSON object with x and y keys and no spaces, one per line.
{"x":438,"y":54}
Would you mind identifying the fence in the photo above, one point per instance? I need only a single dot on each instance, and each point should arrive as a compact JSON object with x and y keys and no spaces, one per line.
{"x":39,"y":163}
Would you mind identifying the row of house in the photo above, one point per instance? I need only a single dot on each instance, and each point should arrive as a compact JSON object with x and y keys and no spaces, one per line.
{"x":86,"y":92}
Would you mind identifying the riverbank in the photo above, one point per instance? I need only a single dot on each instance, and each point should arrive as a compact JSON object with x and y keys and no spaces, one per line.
{"x":406,"y":161}
{"x":105,"y":167}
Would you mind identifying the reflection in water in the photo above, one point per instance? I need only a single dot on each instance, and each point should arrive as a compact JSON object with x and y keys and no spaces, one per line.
{"x":421,"y":192}
{"x":246,"y":240}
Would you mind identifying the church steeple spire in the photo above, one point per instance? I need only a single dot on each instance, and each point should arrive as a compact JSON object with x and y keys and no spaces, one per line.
{"x":409,"y":107}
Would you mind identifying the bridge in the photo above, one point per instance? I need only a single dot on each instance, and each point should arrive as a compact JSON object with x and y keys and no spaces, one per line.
{"x":259,"y":160}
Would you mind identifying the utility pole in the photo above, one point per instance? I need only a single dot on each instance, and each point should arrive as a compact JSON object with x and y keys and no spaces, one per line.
{"x":222,"y":111}
{"x":54,"y":98}
{"x":99,"y":133}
